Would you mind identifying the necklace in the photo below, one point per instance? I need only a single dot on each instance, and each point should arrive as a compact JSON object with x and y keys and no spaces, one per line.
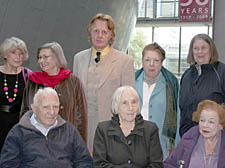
{"x":150,"y":82}
{"x":207,"y":160}
{"x":209,"y":152}
{"x":6,"y":89}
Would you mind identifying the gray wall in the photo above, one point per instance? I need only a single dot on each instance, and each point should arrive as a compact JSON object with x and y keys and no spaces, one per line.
{"x":64,"y":21}
{"x":219,"y":27}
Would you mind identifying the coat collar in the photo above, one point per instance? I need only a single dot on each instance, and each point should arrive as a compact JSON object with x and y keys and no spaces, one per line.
{"x":190,"y":140}
{"x":25,"y":120}
{"x":85,"y":62}
{"x":114,"y":128}
{"x":139,"y":84}
{"x":221,"y":162}
{"x":204,"y":68}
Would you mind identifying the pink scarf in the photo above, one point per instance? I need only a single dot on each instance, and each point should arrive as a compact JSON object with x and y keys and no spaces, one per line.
{"x":47,"y":80}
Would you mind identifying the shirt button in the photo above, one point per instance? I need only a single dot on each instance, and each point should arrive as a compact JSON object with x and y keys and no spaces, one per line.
{"x":151,"y":106}
{"x":129,"y":142}
{"x":129,"y":161}
{"x":150,"y":116}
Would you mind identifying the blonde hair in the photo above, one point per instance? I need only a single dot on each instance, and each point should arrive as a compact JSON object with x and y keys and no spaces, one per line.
{"x":110,"y":24}
{"x":209,"y":104}
{"x":11,"y":44}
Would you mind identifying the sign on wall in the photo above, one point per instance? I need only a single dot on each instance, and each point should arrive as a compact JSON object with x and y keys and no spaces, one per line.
{"x":194,"y":10}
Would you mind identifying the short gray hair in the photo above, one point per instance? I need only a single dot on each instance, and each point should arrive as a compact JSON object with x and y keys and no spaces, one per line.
{"x":56,"y":48}
{"x":116,"y":98}
{"x":42,"y":93}
{"x":11,"y":44}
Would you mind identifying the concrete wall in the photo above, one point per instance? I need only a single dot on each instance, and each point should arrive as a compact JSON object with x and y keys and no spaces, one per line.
{"x":64,"y":21}
{"x":219,"y":27}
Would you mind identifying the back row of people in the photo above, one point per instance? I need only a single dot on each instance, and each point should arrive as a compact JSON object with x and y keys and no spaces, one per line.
{"x":99,"y":71}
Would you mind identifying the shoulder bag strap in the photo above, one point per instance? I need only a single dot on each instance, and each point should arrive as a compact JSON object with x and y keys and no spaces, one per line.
{"x":24,"y":71}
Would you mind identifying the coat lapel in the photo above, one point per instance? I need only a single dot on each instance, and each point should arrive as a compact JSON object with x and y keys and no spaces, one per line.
{"x":189,"y":144}
{"x":221,"y":162}
{"x":139,"y":88}
{"x":159,"y":85}
{"x":108,"y":66}
{"x":84,"y":62}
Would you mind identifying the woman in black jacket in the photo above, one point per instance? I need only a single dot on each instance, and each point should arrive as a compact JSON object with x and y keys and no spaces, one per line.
{"x":127,"y":140}
{"x":205,"y":79}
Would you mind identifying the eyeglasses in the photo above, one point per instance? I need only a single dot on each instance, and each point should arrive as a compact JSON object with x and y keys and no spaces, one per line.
{"x":103,"y":32}
{"x":203,"y":49}
{"x":154,"y":61}
{"x":44,"y":57}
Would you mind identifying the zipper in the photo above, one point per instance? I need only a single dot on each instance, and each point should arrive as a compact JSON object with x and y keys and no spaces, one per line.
{"x":46,"y":140}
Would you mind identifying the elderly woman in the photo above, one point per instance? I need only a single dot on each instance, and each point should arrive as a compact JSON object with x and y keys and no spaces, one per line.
{"x":158,"y":91}
{"x":203,"y":146}
{"x":203,"y":80}
{"x":13,"y":76}
{"x":127,"y":140}
{"x":73,"y":107}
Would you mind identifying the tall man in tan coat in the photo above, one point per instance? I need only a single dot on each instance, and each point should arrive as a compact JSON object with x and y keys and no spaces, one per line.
{"x":102,"y":69}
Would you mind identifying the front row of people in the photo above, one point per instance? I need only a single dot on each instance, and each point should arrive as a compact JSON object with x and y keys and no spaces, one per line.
{"x":43,"y":139}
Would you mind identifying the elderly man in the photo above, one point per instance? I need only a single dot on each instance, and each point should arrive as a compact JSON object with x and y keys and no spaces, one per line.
{"x":102,"y":69}
{"x":43,"y":139}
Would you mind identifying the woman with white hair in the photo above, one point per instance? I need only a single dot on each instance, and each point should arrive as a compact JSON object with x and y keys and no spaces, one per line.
{"x":127,"y":140}
{"x":13,"y":77}
{"x":73,"y":107}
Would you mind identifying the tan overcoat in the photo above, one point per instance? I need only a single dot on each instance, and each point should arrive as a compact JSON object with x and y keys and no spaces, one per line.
{"x":117,"y":70}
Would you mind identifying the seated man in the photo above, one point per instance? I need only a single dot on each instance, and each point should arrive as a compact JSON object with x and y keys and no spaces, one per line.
{"x":43,"y":139}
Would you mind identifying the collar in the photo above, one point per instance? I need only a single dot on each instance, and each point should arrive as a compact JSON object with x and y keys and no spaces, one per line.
{"x":104,"y":52}
{"x":204,"y":67}
{"x":114,"y":128}
{"x":42,"y":129}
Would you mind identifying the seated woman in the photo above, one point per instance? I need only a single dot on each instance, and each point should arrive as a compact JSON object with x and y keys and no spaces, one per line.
{"x":204,"y":144}
{"x":127,"y":140}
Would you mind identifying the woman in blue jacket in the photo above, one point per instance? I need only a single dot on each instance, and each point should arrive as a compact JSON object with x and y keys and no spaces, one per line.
{"x":158,"y":92}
